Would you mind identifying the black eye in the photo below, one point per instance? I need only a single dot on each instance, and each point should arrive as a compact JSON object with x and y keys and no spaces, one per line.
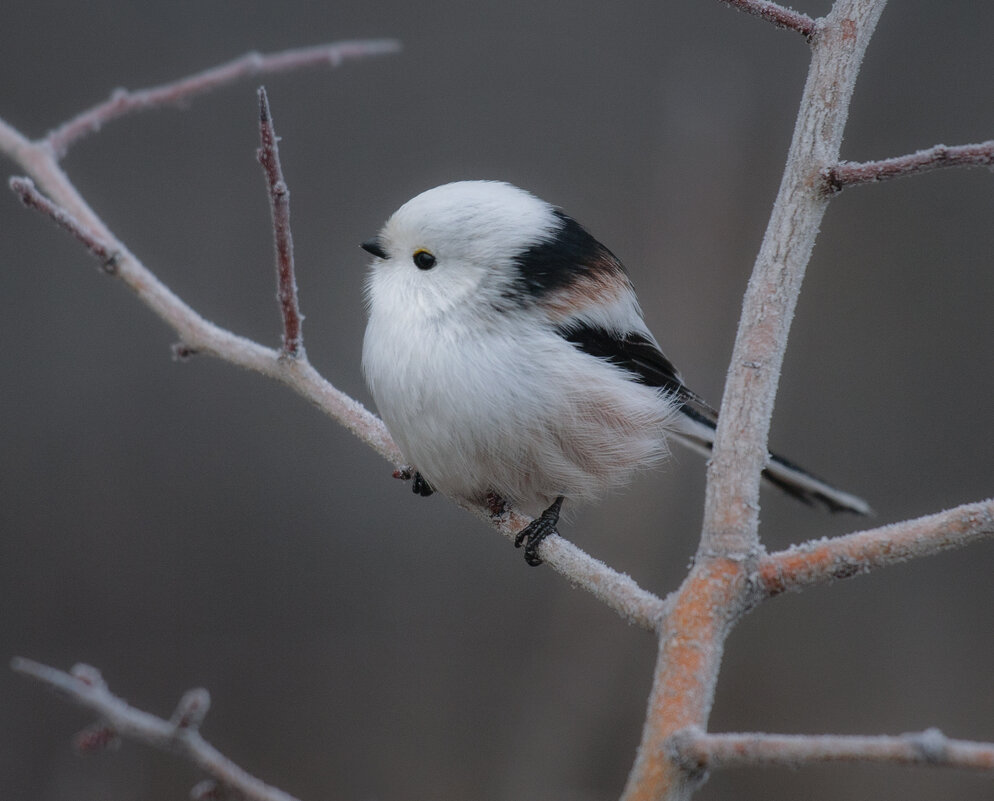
{"x":423,"y":260}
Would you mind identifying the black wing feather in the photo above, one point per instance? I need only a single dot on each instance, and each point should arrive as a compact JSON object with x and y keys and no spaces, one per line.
{"x":640,"y":356}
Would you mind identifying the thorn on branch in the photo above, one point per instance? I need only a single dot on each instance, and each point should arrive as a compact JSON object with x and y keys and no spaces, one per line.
{"x":279,"y":202}
{"x":108,"y":256}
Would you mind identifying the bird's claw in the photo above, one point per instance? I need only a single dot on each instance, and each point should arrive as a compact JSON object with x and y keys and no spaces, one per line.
{"x":532,"y":535}
{"x":420,"y":486}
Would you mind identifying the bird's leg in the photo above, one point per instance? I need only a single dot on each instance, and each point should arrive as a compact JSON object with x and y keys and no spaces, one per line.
{"x":541,"y":527}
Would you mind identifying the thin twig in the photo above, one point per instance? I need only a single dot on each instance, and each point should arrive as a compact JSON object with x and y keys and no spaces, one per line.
{"x":179,"y":735}
{"x":699,"y":752}
{"x":779,"y":15}
{"x":198,"y":335}
{"x":123,"y":102}
{"x":851,"y":173}
{"x":823,"y":561}
{"x":25,"y":189}
{"x":279,"y":202}
{"x":694,"y":624}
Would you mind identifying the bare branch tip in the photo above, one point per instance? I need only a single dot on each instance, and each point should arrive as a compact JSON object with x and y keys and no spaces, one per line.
{"x":264,"y":114}
{"x":279,"y":200}
{"x":20,"y":664}
{"x":21,"y":185}
{"x":192,"y":709}
{"x":88,"y":675}
{"x":30,"y":196}
{"x":93,"y":241}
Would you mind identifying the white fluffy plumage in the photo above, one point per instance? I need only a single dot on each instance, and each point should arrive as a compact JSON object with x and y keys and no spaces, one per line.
{"x":507,"y":354}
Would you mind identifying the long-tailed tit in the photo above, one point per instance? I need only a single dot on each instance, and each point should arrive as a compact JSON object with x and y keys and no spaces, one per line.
{"x":507,"y":354}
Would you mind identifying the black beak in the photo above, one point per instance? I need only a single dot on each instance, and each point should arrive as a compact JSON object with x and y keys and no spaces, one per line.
{"x":373,"y":246}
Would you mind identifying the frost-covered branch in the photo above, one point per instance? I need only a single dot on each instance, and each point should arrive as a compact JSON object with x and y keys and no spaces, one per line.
{"x":198,"y":335}
{"x":618,"y":590}
{"x":732,"y":499}
{"x":123,"y":102}
{"x":731,"y":574}
{"x":29,"y":195}
{"x":851,"y":173}
{"x":178,"y":735}
{"x":779,"y":15}
{"x":68,"y":208}
{"x":699,"y":752}
{"x":279,"y":203}
{"x":719,"y":591}
{"x":822,"y":561}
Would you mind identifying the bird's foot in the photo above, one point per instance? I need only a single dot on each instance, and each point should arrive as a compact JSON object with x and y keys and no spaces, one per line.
{"x":420,"y":486}
{"x":531,"y":536}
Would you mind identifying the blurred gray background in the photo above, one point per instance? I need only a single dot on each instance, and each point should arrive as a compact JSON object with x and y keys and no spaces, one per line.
{"x":185,"y":525}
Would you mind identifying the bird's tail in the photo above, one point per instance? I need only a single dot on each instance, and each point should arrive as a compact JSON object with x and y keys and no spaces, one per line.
{"x":696,"y":431}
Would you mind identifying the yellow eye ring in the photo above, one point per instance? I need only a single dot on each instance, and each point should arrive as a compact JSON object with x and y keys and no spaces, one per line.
{"x":423,"y":260}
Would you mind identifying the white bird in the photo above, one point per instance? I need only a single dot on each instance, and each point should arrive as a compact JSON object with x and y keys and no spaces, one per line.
{"x":508,"y":357}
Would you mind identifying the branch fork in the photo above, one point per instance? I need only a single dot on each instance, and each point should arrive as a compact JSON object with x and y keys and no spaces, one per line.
{"x":84,"y":686}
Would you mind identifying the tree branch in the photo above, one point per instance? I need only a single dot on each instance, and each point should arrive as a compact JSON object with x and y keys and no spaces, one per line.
{"x":779,"y":15}
{"x":851,"y":173}
{"x":29,"y":195}
{"x":279,"y":202}
{"x":198,"y":335}
{"x":123,"y":102}
{"x":719,"y":589}
{"x":618,"y":590}
{"x":179,"y":735}
{"x":732,"y":499}
{"x":820,"y":562}
{"x":730,"y":565}
{"x":699,"y":752}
